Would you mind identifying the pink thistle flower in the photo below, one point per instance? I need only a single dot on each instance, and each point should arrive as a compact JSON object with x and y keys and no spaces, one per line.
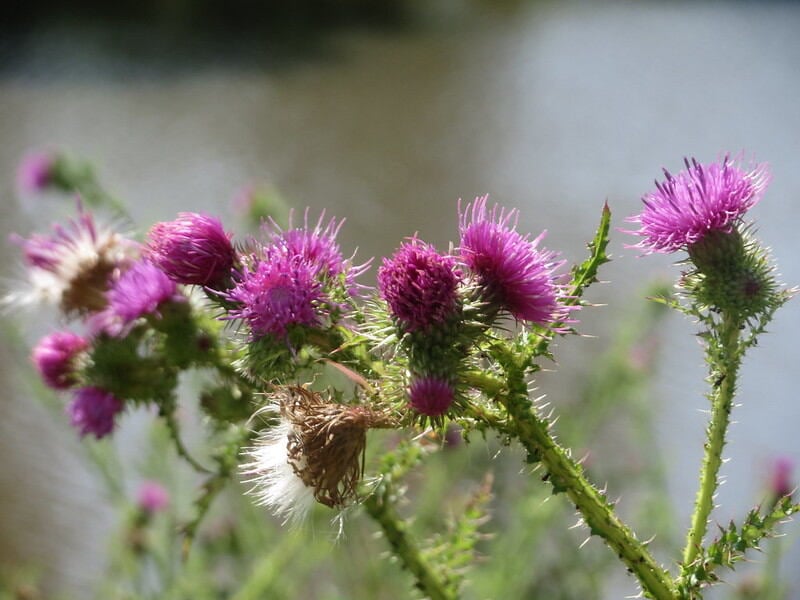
{"x":35,"y":171}
{"x":431,"y":395}
{"x":140,"y":291}
{"x":318,"y":247}
{"x":54,"y":358}
{"x":276,"y":292}
{"x":419,"y":285}
{"x":192,"y":249}
{"x":781,"y":483}
{"x":517,"y":276}
{"x":93,"y":411}
{"x":73,"y":265}
{"x":701,"y":198}
{"x":152,"y":497}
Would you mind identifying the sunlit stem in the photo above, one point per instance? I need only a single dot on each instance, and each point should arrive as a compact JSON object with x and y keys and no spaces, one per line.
{"x":379,"y":506}
{"x":725,"y":362}
{"x":567,"y":476}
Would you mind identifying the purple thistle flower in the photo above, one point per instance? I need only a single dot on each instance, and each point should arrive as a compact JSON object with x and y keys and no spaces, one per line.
{"x":152,"y":497}
{"x":781,"y":483}
{"x":93,"y":410}
{"x":516,"y":275}
{"x":140,"y":291}
{"x":275,"y":292}
{"x":35,"y":171}
{"x":54,"y":358}
{"x":699,"y":199}
{"x":318,"y":247}
{"x":419,"y":285}
{"x":72,"y":266}
{"x":430,"y":395}
{"x":192,"y":249}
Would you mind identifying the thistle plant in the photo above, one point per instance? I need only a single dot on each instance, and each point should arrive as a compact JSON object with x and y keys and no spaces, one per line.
{"x":322,"y":390}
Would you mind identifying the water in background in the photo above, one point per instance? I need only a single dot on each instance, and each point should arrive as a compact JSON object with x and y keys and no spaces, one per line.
{"x":551,"y":108}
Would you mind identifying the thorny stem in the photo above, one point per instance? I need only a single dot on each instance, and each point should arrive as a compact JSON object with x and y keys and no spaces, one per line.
{"x":174,"y":430}
{"x":379,"y":507}
{"x":725,"y":360}
{"x":211,"y":488}
{"x":567,"y":476}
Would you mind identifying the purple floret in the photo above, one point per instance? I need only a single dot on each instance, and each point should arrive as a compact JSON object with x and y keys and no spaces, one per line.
{"x":701,"y":198}
{"x":419,"y":285}
{"x":431,"y":395}
{"x":140,"y":291}
{"x":517,"y":276}
{"x":54,"y":357}
{"x":192,"y":249}
{"x":93,"y":410}
{"x":275,"y":292}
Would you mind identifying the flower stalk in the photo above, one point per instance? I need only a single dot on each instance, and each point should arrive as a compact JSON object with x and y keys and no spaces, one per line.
{"x":567,"y":476}
{"x":379,"y":506}
{"x":724,"y":362}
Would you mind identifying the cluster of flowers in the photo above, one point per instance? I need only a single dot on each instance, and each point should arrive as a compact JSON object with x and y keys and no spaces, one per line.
{"x":293,"y":287}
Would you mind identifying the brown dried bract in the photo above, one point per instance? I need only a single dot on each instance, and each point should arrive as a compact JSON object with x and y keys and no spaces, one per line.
{"x":327,"y":443}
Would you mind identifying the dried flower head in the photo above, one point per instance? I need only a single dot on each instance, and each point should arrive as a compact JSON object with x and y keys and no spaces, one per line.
{"x":54,"y":358}
{"x":93,"y":411}
{"x":316,"y":452}
{"x":192,"y":249}
{"x":516,"y":276}
{"x":700,"y":199}
{"x":72,"y":266}
{"x":419,"y":285}
{"x":431,"y":395}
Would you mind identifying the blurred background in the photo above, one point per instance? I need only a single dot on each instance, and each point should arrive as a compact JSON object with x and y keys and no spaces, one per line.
{"x":386,"y":114}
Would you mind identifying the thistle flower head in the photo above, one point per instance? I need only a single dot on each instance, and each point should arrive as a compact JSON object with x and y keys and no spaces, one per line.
{"x":192,"y":249}
{"x":431,"y":395}
{"x":152,"y":497}
{"x":93,"y":410}
{"x":275,"y":292}
{"x":781,"y":482}
{"x":54,"y":358}
{"x":700,"y":199}
{"x":318,"y":247}
{"x":419,"y":285}
{"x":35,"y":171}
{"x":316,"y":452}
{"x":140,"y":291}
{"x":73,"y":265}
{"x":517,"y":276}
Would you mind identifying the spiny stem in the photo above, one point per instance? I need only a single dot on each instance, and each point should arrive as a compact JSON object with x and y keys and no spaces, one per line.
{"x":211,"y":488}
{"x":725,"y":360}
{"x":379,"y":507}
{"x":174,"y":430}
{"x":567,"y":476}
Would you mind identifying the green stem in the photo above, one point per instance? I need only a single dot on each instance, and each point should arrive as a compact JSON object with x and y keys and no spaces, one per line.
{"x":724,"y":359}
{"x":567,"y":476}
{"x":211,"y":488}
{"x":380,"y":508}
{"x":175,"y":434}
